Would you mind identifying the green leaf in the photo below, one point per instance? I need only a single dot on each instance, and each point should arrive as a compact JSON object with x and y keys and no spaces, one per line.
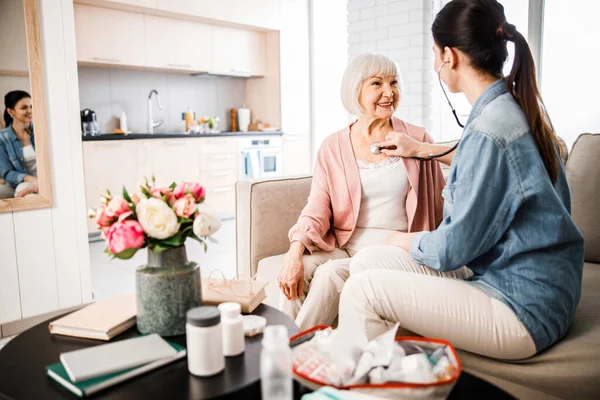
{"x":145,"y":192}
{"x":126,"y":195}
{"x":173,"y":186}
{"x":126,"y":255}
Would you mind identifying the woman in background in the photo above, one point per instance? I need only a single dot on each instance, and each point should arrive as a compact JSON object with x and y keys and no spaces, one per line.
{"x":17,"y":144}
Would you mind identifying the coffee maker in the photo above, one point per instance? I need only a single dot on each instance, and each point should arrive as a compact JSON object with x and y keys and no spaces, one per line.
{"x":89,"y":123}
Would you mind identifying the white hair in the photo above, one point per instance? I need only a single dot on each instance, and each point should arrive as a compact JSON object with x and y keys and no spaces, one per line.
{"x":363,"y":67}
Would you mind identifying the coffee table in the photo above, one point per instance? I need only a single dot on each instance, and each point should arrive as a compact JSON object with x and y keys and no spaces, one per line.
{"x":23,"y":374}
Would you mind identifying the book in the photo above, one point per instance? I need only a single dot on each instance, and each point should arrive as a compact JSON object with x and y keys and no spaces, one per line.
{"x":238,"y":291}
{"x":96,"y":361}
{"x":102,"y":320}
{"x":58,"y":373}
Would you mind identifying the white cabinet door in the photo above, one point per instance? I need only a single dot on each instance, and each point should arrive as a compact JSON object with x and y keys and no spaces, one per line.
{"x":109,"y":37}
{"x":237,"y":52}
{"x":176,"y":44}
{"x":258,"y":13}
{"x":109,"y":165}
{"x":175,"y":160}
{"x":138,"y":3}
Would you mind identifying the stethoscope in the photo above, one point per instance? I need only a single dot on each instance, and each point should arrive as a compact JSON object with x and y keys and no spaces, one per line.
{"x":376,"y":148}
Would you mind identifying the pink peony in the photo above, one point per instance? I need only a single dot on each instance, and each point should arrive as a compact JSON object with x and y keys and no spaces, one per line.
{"x":166,"y":192}
{"x":124,"y":235}
{"x":193,"y":188}
{"x":102,"y":218}
{"x":185,"y":206}
{"x":117,"y":206}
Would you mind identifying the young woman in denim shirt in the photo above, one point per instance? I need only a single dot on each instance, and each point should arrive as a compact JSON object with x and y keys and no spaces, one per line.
{"x":506,"y":211}
{"x":17,"y":144}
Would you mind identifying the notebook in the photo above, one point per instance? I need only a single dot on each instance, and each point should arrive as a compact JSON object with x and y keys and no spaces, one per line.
{"x":237,"y":291}
{"x":102,"y":320}
{"x":92,"y":362}
{"x":58,"y":373}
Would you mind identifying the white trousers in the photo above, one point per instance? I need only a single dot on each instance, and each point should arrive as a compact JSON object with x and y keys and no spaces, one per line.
{"x":326,"y":273}
{"x":384,"y":289}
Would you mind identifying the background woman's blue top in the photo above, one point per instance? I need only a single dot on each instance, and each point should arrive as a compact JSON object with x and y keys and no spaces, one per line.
{"x":507,"y":222}
{"x":12,"y":163}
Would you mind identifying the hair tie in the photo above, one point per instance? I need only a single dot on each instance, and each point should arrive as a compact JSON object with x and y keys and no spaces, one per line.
{"x":506,"y":31}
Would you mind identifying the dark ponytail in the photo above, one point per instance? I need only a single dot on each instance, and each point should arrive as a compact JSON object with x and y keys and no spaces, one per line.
{"x":10,"y":101}
{"x":479,"y":29}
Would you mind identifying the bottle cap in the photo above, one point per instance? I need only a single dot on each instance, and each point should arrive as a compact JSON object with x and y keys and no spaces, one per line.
{"x":204,"y":316}
{"x":275,"y":335}
{"x":230,"y":309}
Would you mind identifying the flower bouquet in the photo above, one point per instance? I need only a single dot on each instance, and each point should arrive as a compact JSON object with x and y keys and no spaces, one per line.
{"x":160,"y":219}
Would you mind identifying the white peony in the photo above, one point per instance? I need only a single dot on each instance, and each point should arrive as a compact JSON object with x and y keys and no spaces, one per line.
{"x":157,"y":218}
{"x":206,"y":223}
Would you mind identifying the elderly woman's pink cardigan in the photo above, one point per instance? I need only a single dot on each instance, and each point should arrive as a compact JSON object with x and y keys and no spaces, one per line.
{"x":334,"y":202}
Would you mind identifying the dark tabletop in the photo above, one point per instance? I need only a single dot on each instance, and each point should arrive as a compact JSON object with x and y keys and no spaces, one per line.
{"x":23,"y":373}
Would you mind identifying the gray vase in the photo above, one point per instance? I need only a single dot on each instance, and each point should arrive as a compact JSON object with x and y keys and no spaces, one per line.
{"x":166,"y":288}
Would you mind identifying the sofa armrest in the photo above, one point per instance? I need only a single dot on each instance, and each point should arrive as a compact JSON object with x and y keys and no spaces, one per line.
{"x":265,"y":212}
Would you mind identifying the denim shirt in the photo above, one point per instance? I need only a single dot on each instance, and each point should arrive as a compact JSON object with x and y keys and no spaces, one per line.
{"x":507,"y":222}
{"x":12,"y":162}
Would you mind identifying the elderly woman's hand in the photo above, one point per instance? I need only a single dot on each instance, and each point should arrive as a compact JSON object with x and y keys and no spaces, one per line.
{"x":291,"y":277}
{"x":404,"y":145}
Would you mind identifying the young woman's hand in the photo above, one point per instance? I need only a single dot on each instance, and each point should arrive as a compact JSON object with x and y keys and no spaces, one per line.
{"x":400,"y":239}
{"x":291,"y":277}
{"x":32,"y":189}
{"x":405,"y":146}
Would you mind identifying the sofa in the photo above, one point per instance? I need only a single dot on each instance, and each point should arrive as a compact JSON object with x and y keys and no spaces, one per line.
{"x":266,"y":209}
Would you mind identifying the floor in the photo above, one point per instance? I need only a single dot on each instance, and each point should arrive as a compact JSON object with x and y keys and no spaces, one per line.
{"x":118,"y":276}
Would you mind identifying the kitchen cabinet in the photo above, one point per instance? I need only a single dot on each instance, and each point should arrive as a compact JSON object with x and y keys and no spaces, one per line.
{"x":110,"y":166}
{"x":256,"y":13}
{"x":116,"y":163}
{"x":175,"y":160}
{"x":13,"y":43}
{"x":106,"y":36}
{"x":237,"y":52}
{"x":175,"y":44}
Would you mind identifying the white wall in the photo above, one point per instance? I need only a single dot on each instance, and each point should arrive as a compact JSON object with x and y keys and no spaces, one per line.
{"x":399,"y":29}
{"x":329,"y":33}
{"x":110,"y":91}
{"x":44,"y":264}
{"x":570,"y":62}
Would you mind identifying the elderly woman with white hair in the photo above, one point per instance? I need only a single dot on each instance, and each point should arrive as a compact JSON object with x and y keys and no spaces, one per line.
{"x":357,"y":199}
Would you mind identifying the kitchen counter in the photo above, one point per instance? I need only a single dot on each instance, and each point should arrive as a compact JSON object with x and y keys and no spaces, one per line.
{"x":131,"y":136}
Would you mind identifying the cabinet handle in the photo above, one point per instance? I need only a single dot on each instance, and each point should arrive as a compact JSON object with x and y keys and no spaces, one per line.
{"x":221,"y":173}
{"x":188,"y":66}
{"x":220,"y":157}
{"x":106,"y":59}
{"x":221,"y":190}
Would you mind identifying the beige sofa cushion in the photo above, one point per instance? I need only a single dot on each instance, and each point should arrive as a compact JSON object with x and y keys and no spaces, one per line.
{"x":571,"y":368}
{"x":583,"y":174}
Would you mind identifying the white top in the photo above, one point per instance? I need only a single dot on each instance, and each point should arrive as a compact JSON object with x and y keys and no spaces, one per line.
{"x":29,"y":156}
{"x":383,"y":202}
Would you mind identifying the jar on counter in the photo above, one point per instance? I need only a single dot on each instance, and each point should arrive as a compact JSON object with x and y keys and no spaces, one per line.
{"x":233,"y":329}
{"x":204,"y":341}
